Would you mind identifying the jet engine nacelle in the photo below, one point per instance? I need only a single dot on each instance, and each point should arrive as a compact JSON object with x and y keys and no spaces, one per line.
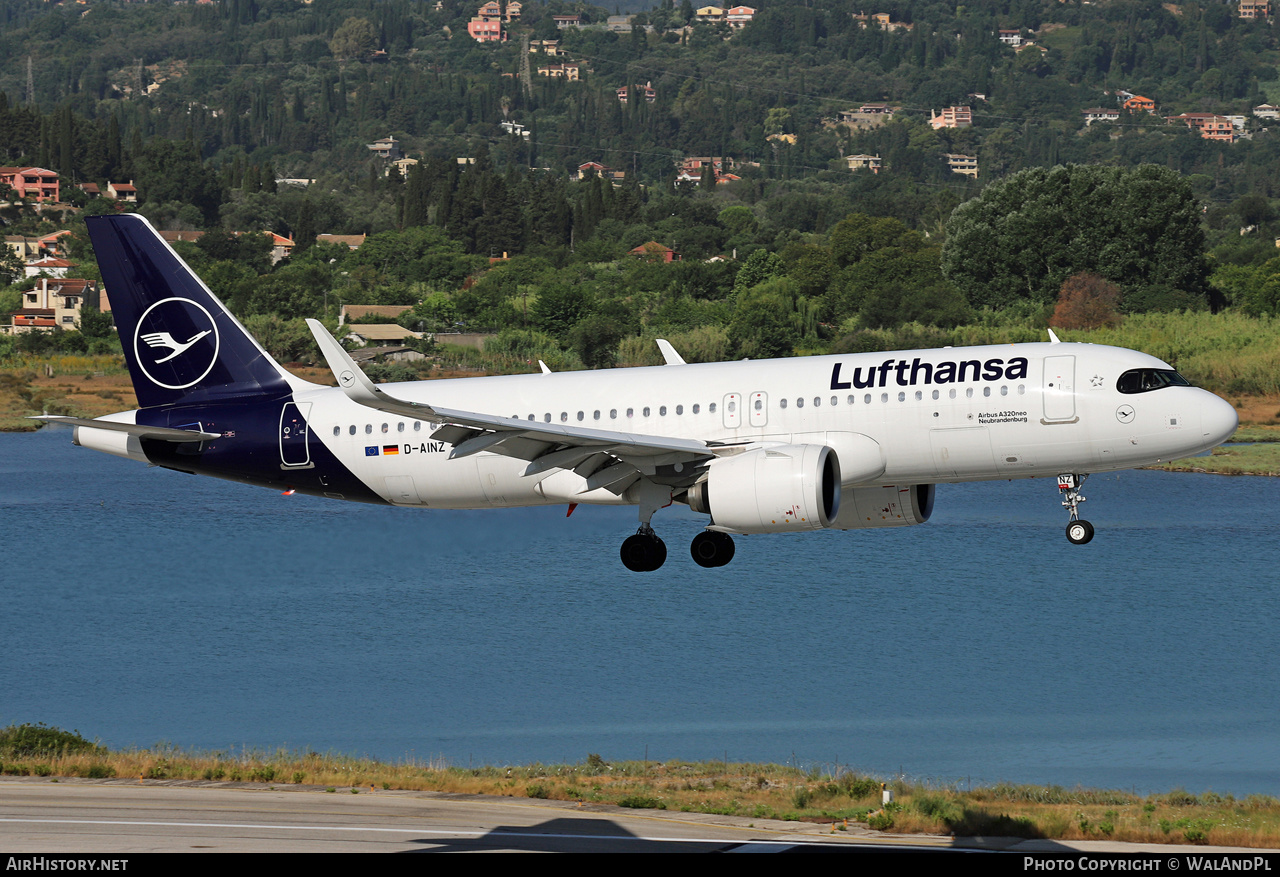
{"x":892,"y":506}
{"x":771,"y":490}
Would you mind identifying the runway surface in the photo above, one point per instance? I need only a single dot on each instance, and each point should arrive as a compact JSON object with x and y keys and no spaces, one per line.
{"x":116,"y":816}
{"x":111,"y":818}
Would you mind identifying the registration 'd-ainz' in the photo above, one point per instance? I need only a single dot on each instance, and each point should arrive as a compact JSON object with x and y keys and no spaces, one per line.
{"x":767,"y":446}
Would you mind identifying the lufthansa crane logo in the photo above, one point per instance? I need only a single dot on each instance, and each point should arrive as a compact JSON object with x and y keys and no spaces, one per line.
{"x":176,"y":343}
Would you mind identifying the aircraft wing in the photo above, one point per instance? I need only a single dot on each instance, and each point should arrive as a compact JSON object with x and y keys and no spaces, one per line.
{"x":596,"y":454}
{"x":160,"y":433}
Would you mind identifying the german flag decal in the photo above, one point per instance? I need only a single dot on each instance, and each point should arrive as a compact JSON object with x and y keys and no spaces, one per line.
{"x":390,"y":450}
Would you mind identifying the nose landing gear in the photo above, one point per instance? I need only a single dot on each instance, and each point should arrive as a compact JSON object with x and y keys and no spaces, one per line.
{"x":1079,"y":532}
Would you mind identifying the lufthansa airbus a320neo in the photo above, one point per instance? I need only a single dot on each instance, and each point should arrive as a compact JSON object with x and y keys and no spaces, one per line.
{"x":767,"y":446}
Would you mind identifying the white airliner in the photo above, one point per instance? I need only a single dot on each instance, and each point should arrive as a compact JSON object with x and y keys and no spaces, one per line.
{"x":767,"y":446}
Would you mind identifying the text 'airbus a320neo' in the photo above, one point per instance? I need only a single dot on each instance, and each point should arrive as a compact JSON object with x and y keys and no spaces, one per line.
{"x":766,"y":446}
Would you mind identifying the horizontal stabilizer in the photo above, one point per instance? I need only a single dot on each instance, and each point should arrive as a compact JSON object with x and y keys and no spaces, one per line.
{"x":158,"y":433}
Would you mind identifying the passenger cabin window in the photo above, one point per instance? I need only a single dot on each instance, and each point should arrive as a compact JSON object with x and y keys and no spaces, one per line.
{"x":1144,"y":380}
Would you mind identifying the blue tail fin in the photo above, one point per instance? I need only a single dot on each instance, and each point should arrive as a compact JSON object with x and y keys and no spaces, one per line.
{"x":181,"y":343}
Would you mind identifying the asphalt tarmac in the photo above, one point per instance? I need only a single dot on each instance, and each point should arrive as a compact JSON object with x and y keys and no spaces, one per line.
{"x":115,"y":817}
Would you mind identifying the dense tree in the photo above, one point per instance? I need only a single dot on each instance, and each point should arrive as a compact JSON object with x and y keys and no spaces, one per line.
{"x":354,"y":39}
{"x":170,"y":171}
{"x":1025,"y":235}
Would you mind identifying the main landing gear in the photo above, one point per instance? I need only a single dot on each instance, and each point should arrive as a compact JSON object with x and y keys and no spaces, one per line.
{"x":1079,"y":532}
{"x":643,"y":552}
{"x":711,"y":548}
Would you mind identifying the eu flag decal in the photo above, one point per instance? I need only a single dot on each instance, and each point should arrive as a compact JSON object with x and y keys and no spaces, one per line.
{"x":371,"y":451}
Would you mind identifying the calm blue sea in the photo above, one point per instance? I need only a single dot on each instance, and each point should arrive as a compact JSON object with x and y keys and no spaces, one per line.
{"x":141,"y":605}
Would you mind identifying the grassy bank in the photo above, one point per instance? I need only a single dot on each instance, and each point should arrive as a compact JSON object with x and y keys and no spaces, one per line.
{"x":756,"y":791}
{"x":83,"y":386}
{"x":1260,"y":459}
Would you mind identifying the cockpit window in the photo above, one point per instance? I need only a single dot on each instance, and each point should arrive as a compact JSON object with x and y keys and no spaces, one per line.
{"x":1144,"y":380}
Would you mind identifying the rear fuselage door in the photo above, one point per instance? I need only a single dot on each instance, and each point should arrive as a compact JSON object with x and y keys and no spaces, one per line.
{"x":294,"y":452}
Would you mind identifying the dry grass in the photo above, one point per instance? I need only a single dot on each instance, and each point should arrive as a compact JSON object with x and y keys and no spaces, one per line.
{"x":84,"y":386}
{"x":91,"y":386}
{"x":749,"y":790}
{"x":1261,"y":412}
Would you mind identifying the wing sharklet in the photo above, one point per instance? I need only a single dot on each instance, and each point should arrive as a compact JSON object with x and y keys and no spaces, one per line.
{"x":669,"y":353}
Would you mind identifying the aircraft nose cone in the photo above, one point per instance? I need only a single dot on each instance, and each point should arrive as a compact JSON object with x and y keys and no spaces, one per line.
{"x":1218,"y":419}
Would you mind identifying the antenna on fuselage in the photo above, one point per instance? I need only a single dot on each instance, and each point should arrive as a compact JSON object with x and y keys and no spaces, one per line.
{"x":1053,"y":339}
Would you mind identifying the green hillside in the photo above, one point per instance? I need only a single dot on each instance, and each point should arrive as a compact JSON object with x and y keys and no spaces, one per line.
{"x":740,"y":156}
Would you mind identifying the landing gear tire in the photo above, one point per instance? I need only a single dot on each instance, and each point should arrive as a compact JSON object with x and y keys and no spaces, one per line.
{"x":711,"y":549}
{"x":1079,"y":532}
{"x":643,"y":552}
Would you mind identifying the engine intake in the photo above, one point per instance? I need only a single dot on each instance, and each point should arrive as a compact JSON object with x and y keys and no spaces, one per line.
{"x":782,"y":489}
